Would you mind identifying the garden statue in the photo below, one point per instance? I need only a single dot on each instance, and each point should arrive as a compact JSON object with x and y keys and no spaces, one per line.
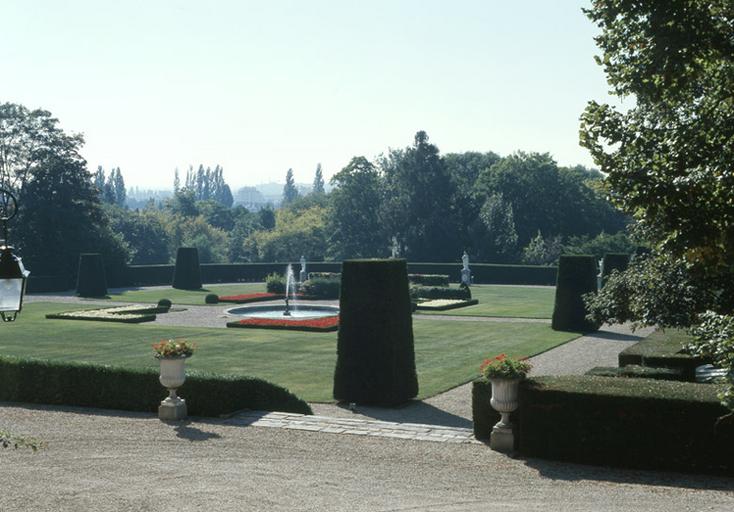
{"x":465,"y":271}
{"x":302,"y":276}
{"x":395,"y":250}
{"x":600,"y":275}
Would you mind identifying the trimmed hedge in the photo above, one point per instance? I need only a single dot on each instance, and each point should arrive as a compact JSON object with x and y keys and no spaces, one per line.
{"x":107,"y":387}
{"x":40,"y":284}
{"x":446,"y":307}
{"x":325,"y":275}
{"x":490,"y":273}
{"x":437,"y":292}
{"x":132,"y":314}
{"x":211,"y":298}
{"x":576,"y":277}
{"x":186,"y":274}
{"x":320,"y":289}
{"x":640,"y":372}
{"x":375,"y":348}
{"x":91,"y":280}
{"x":484,"y":417}
{"x":635,"y":423}
{"x":429,"y":279}
{"x":661,"y":352}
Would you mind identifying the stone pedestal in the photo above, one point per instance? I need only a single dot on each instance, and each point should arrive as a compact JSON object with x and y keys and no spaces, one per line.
{"x":502,"y":439}
{"x":172,"y":409}
{"x":466,"y":276}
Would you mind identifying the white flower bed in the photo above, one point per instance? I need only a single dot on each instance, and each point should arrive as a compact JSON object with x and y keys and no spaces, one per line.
{"x":133,"y":313}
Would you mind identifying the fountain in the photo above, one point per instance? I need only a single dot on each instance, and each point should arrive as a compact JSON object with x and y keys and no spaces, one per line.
{"x":292,"y":309}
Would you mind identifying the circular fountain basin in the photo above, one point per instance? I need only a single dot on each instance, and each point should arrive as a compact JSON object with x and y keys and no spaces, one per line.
{"x":303,"y":311}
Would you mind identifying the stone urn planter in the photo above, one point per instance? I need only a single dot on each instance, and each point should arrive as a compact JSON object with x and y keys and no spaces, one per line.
{"x":504,"y":401}
{"x":172,"y":356}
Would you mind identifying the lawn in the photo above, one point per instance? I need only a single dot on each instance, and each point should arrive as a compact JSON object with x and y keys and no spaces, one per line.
{"x":507,"y":301}
{"x":186,"y":296}
{"x":448,"y":353}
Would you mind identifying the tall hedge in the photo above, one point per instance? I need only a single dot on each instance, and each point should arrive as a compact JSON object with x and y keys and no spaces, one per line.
{"x":91,"y":280}
{"x":576,"y":276}
{"x":375,"y":353}
{"x":186,"y":274}
{"x":614,"y":261}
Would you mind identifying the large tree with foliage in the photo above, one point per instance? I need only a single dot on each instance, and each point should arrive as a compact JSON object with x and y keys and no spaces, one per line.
{"x":669,"y":157}
{"x":354,"y":225}
{"x":419,"y":202}
{"x":318,"y":181}
{"x":290,"y":191}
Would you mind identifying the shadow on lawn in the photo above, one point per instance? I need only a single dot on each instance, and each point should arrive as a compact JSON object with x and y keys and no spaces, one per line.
{"x":572,"y":472}
{"x":414,"y":411}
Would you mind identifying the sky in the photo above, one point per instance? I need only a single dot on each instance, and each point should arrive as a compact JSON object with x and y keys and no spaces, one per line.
{"x":259,"y":87}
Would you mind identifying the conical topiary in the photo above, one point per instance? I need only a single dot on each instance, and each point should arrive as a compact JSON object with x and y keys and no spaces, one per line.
{"x":91,"y":280}
{"x":576,"y":276}
{"x":186,"y":274}
{"x":375,"y":353}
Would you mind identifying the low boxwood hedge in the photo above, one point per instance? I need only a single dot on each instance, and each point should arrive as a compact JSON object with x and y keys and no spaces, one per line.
{"x":453,"y":304}
{"x":484,"y":417}
{"x":635,"y":423}
{"x":636,"y":371}
{"x":318,"y":288}
{"x":107,"y":387}
{"x":133,"y":314}
{"x":429,"y":279}
{"x":662,"y":352}
{"x":439,"y":292}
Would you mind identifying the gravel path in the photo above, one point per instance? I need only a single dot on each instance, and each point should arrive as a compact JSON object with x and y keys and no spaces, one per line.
{"x":104,"y":461}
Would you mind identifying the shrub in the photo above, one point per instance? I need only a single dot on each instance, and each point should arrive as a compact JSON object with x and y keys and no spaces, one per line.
{"x":186,"y":274}
{"x":714,"y":340}
{"x":211,"y":298}
{"x":107,"y":387}
{"x":614,"y":261}
{"x":437,"y":292}
{"x":637,"y":423}
{"x":275,"y":283}
{"x":484,"y":417}
{"x":576,"y":277}
{"x":375,"y":352}
{"x":636,"y":371}
{"x":429,"y":279}
{"x":320,"y":288}
{"x":91,"y":280}
{"x":165,"y":304}
{"x":325,"y":275}
{"x":662,"y":351}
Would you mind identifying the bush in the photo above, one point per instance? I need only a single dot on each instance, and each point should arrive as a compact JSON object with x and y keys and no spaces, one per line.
{"x":636,"y":423}
{"x":275,"y":283}
{"x":614,"y":261}
{"x":576,"y":277}
{"x":107,"y":387}
{"x":636,"y":371}
{"x":165,"y":304}
{"x":211,"y":298}
{"x":186,"y":274}
{"x":422,"y":292}
{"x":662,"y":351}
{"x":320,"y":288}
{"x":429,"y":279}
{"x":91,"y":280}
{"x":375,"y":351}
{"x":484,"y":417}
{"x":325,"y":275}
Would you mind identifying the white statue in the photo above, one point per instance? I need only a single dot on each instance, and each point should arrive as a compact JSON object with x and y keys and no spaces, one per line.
{"x":302,"y":276}
{"x":395,"y":249}
{"x":465,"y":261}
{"x":465,"y":271}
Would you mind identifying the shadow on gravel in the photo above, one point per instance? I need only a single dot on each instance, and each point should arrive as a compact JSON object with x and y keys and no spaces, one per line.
{"x":615,"y":336}
{"x":571,"y":472}
{"x":184,"y":430}
{"x":412,"y":412}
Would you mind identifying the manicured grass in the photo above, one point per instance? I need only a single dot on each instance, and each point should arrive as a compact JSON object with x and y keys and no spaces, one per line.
{"x":187,"y":296}
{"x":507,"y":301}
{"x":448,"y":353}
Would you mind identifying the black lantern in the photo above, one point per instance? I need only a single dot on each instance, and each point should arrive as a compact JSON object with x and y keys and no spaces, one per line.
{"x":13,"y":276}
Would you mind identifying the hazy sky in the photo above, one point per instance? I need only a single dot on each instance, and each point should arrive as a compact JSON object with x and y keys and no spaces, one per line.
{"x":261,"y":86}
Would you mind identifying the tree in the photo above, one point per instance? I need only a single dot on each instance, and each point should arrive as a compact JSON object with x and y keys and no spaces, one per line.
{"x":668,"y":158}
{"x":294,"y":235}
{"x":290,"y":192}
{"x":418,"y":207}
{"x":499,"y":243}
{"x":119,"y":187}
{"x":354,"y":225}
{"x":318,"y":181}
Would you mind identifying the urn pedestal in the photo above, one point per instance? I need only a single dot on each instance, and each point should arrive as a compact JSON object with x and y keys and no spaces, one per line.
{"x":504,"y":401}
{"x":173,"y":375}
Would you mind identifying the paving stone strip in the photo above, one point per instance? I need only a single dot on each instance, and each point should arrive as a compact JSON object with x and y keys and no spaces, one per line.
{"x":355,"y":426}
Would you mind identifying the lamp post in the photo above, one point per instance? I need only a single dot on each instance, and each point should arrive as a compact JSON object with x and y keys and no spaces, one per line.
{"x":13,"y":276}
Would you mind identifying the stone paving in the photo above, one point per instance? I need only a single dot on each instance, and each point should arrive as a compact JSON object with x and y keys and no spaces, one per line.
{"x":354,"y":426}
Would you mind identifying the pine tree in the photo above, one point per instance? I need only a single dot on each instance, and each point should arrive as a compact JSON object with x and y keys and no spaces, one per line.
{"x":290,"y":192}
{"x":318,"y":181}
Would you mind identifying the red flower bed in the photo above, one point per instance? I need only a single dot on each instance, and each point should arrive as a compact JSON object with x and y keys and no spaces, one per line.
{"x":325,"y":324}
{"x":250,"y":297}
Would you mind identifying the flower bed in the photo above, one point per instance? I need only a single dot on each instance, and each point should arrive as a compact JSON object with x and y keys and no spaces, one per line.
{"x":133,"y":314}
{"x":250,"y":297}
{"x":444,"y":304}
{"x":325,"y":324}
